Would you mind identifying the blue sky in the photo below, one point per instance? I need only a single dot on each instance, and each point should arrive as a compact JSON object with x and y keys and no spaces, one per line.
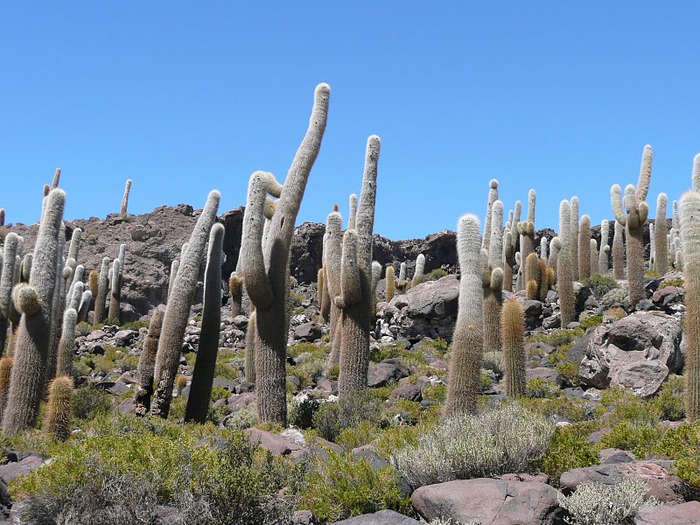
{"x":184,"y":97}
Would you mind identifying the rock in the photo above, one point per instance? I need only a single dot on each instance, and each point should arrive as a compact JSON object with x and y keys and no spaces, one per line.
{"x":388,"y":370}
{"x":10,"y":471}
{"x":383,"y":517}
{"x":96,"y":335}
{"x":271,"y":442}
{"x":682,"y":514}
{"x":663,"y":486}
{"x":303,"y":517}
{"x":549,"y":374}
{"x":125,"y":337}
{"x":126,"y":406}
{"x":488,"y":502}
{"x":308,"y":332}
{"x":636,"y":352}
{"x":409,"y":391}
{"x":533,"y":312}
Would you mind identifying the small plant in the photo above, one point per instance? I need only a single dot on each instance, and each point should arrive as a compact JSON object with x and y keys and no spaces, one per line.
{"x":600,"y":284}
{"x":90,"y":402}
{"x":542,"y":388}
{"x":616,"y":297}
{"x":503,"y":440}
{"x":591,"y":322}
{"x":597,"y":503}
{"x":669,"y":399}
{"x":434,"y":275}
{"x":569,"y":449}
{"x":677,"y":282}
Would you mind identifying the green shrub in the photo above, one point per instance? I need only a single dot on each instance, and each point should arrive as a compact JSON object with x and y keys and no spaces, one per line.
{"x":301,"y":413}
{"x":331,"y":417}
{"x":326,"y":420}
{"x":557,"y":337}
{"x":90,"y":402}
{"x":592,"y":322}
{"x":600,"y":284}
{"x":342,"y":486}
{"x":123,"y":476}
{"x":616,"y":296}
{"x":669,"y":400}
{"x":542,"y":388}
{"x":569,"y":449}
{"x":503,"y":440}
{"x":622,"y":405}
{"x":597,"y":503}
{"x":639,"y":438}
{"x":358,"y":435}
{"x":434,"y":275}
{"x":556,"y":407}
{"x":682,"y":444}
{"x":678,"y":283}
{"x":135,"y":325}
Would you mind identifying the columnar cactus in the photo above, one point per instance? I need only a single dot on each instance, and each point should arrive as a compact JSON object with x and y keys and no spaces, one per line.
{"x":513,"y":330}
{"x":84,"y":307}
{"x":355,"y":301}
{"x":467,"y":340}
{"x":532,"y":270}
{"x":125,"y":199}
{"x":618,"y":252}
{"x":66,"y":345}
{"x":527,"y":232}
{"x":634,"y":219}
{"x":376,"y":276}
{"x":584,"y":248}
{"x":116,"y":292}
{"x":75,"y":244}
{"x":59,"y":408}
{"x":332,"y":253}
{"x":493,"y":197}
{"x":265,"y":268}
{"x":174,"y":266}
{"x":543,"y":248}
{"x":34,"y":302}
{"x":555,"y":247}
{"x":390,"y":283}
{"x":250,"y":348}
{"x":5,"y":373}
{"x":147,"y":363}
{"x":690,"y":234}
{"x":178,"y":309}
{"x":573,"y":231}
{"x":661,"y":236}
{"x":493,"y":282}
{"x":565,"y":277}
{"x":594,"y":255}
{"x":353,"y":212}
{"x":696,"y":173}
{"x":7,"y":281}
{"x":93,"y":279}
{"x":324,"y":302}
{"x":508,"y":259}
{"x":2,"y":216}
{"x":420,"y":269}
{"x":101,"y":297}
{"x":604,"y":253}
{"x":203,"y":375}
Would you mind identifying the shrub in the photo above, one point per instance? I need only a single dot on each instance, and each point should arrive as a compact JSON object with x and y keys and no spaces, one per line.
{"x":494,"y":361}
{"x":669,"y":400}
{"x":342,"y":486}
{"x":600,"y":284}
{"x":682,"y":444}
{"x":558,"y":407}
{"x":614,"y":314}
{"x":638,"y":438}
{"x":331,"y":417}
{"x":357,"y":436}
{"x":125,"y":474}
{"x":623,"y":405}
{"x":301,"y":413}
{"x":616,"y":297}
{"x":504,"y":440}
{"x":90,"y":402}
{"x":434,"y":275}
{"x":678,"y":282}
{"x":597,"y":503}
{"x":542,"y":388}
{"x":592,"y":322}
{"x":569,"y":449}
{"x":557,"y":337}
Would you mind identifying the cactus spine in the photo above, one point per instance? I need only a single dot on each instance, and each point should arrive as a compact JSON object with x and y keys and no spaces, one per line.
{"x":147,"y":362}
{"x":513,"y":319}
{"x":565,"y":277}
{"x":265,"y":268}
{"x":634,"y":219}
{"x":34,"y":302}
{"x":420,"y":269}
{"x":661,"y":236}
{"x":584,"y":248}
{"x":355,"y":301}
{"x":59,"y":408}
{"x":690,"y":235}
{"x":178,"y":309}
{"x":7,"y":281}
{"x":125,"y":199}
{"x":203,"y":375}
{"x":467,"y":340}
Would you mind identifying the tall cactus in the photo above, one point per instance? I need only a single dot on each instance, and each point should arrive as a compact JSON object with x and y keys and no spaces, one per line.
{"x":178,"y":309}
{"x":532,"y":270}
{"x":324,"y":303}
{"x":573,"y":232}
{"x":554,"y":248}
{"x":604,"y":252}
{"x":661,"y":236}
{"x":633,"y":218}
{"x":690,"y":234}
{"x":584,"y":248}
{"x":527,"y":232}
{"x":353,"y":212}
{"x":5,"y":373}
{"x":594,"y":256}
{"x":493,"y":197}
{"x":125,"y":199}
{"x":59,"y":408}
{"x":618,"y":252}
{"x":115,"y":292}
{"x":493,"y":282}
{"x":420,"y":269}
{"x":467,"y":340}
{"x":250,"y":349}
{"x":34,"y":302}
{"x":390,"y":283}
{"x":332,"y":253}
{"x":355,"y":300}
{"x":513,"y":330}
{"x":102,"y":286}
{"x":7,"y":281}
{"x":66,"y":344}
{"x":565,"y":273}
{"x":265,"y":268}
{"x":147,"y":363}
{"x":203,"y":375}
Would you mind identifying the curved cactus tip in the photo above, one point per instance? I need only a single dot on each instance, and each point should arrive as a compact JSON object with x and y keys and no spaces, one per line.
{"x":214,"y":194}
{"x":493,"y":184}
{"x":469,"y":219}
{"x":323,"y":88}
{"x":662,"y":197}
{"x":647,"y":147}
{"x":497,"y":278}
{"x":335,"y":208}
{"x":373,"y":139}
{"x":11,"y":238}
{"x":27,"y":299}
{"x":629,"y":189}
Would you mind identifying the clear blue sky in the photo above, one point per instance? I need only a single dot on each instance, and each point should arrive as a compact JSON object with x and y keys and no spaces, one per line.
{"x":184,"y":97}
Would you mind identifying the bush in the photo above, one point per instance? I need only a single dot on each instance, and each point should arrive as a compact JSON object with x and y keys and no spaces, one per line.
{"x":638,"y":438}
{"x":592,"y":322}
{"x":90,"y":402}
{"x":124,"y":475}
{"x":434,"y":275}
{"x":678,"y":283}
{"x":504,"y":440}
{"x":342,"y":486}
{"x":494,"y":361}
{"x":600,"y":284}
{"x":597,"y":503}
{"x":616,"y":297}
{"x":682,"y":444}
{"x":569,"y":449}
{"x":669,"y":401}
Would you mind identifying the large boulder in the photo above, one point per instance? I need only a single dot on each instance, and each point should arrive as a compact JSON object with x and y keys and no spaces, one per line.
{"x":637,"y":352}
{"x":489,"y":502}
{"x":426,"y":310}
{"x":383,"y":517}
{"x":683,"y":514}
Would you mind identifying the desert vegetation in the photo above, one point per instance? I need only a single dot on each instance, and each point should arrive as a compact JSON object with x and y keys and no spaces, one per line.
{"x":547,"y":367}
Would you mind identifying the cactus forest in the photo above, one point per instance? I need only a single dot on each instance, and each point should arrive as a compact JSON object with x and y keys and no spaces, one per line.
{"x":258,"y":371}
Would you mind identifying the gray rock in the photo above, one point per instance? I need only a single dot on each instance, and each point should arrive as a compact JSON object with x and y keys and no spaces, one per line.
{"x":10,"y":471}
{"x":636,"y":352}
{"x":410,"y":392}
{"x":682,"y":514}
{"x":386,"y":371}
{"x":308,"y":332}
{"x":383,"y":517}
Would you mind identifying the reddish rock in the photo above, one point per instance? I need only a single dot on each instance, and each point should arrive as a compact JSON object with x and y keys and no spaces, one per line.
{"x":10,"y":471}
{"x":274,"y":443}
{"x":683,"y":514}
{"x":489,"y":502}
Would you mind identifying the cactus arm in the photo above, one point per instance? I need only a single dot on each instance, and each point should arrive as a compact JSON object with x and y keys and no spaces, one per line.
{"x":644,"y":175}
{"x":616,"y":204}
